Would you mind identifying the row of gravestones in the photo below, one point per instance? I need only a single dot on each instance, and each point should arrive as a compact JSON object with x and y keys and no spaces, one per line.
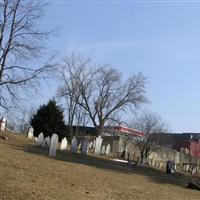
{"x":48,"y":142}
{"x":187,"y":167}
{"x":86,"y":145}
{"x":191,"y":167}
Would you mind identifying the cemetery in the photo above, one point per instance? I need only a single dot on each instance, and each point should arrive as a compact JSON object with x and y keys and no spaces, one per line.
{"x":81,"y":99}
{"x":88,"y":171}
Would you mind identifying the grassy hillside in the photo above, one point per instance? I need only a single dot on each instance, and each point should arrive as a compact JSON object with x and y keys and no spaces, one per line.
{"x":26,"y":172}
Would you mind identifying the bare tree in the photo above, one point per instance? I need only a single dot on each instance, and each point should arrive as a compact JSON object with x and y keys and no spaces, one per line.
{"x":101,"y":91}
{"x":69,"y":90}
{"x":19,"y":119}
{"x":21,"y":46}
{"x":154,"y":128}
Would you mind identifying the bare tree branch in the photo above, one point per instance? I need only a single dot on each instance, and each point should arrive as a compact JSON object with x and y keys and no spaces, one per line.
{"x":101,"y":91}
{"x":154,"y":128}
{"x":21,"y":45}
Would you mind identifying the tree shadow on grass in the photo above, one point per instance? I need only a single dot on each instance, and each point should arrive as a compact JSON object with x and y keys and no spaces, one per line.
{"x":156,"y":175}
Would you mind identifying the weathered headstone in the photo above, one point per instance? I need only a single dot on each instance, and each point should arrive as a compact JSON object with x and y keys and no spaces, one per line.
{"x":98,"y":144}
{"x":3,"y":124}
{"x":182,"y":150}
{"x":79,"y":145}
{"x":94,"y":143}
{"x":103,"y":150}
{"x":40,"y":140}
{"x":107,"y":149}
{"x":85,"y":146}
{"x":53,"y":145}
{"x":91,"y":145}
{"x":161,"y":165}
{"x":47,"y":141}
{"x":74,"y":144}
{"x":63,"y":145}
{"x":30,"y":133}
{"x":153,"y":163}
{"x":187,"y":168}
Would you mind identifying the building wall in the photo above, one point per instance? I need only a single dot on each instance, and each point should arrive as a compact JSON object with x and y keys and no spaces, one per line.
{"x":195,"y":148}
{"x":113,"y":141}
{"x":178,"y":144}
{"x":188,"y":141}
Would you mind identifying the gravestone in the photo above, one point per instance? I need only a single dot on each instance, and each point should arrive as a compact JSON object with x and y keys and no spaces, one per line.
{"x":74,"y":144}
{"x":103,"y":150}
{"x":53,"y":145}
{"x":94,"y":143}
{"x":63,"y":145}
{"x":107,"y":149}
{"x":40,"y":140}
{"x":187,"y":168}
{"x":47,"y":141}
{"x":3,"y":124}
{"x":91,"y":145}
{"x":30,"y":133}
{"x":161,"y":165}
{"x":98,"y":144}
{"x":153,"y":163}
{"x":182,"y":150}
{"x":79,"y":145}
{"x":85,"y":146}
{"x":36,"y":139}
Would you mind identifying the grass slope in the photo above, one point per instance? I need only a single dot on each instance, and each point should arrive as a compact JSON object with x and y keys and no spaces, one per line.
{"x":26,"y":172}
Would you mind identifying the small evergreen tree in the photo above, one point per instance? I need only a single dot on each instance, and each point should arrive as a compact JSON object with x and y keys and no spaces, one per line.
{"x":49,"y":119}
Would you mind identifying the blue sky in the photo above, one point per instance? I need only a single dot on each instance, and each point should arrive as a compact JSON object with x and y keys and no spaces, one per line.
{"x":161,"y":39}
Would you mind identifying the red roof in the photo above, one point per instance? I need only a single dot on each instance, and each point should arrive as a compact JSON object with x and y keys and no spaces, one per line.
{"x":126,"y":130}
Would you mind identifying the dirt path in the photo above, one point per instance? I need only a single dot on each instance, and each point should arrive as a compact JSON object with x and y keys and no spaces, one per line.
{"x":26,"y":172}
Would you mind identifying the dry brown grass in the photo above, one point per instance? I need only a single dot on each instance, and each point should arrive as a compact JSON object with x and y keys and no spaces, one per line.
{"x":26,"y":172}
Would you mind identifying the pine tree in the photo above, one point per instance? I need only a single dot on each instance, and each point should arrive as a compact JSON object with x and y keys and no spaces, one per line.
{"x":49,"y":119}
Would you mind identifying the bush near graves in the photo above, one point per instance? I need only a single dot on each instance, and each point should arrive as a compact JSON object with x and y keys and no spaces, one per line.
{"x":49,"y":119}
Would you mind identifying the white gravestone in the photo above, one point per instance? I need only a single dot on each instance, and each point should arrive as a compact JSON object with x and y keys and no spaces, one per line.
{"x":74,"y":144}
{"x":36,"y":139}
{"x":103,"y":150}
{"x":30,"y":133}
{"x":63,"y":145}
{"x":40,"y":140}
{"x":47,"y":141}
{"x":85,"y":146}
{"x":94,"y":143}
{"x":53,"y":145}
{"x":3,"y":124}
{"x":107,"y":149}
{"x":98,"y":144}
{"x":91,"y":145}
{"x":79,"y":146}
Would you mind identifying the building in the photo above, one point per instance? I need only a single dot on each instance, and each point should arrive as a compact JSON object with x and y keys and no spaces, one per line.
{"x":123,"y":131}
{"x":187,"y":141}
